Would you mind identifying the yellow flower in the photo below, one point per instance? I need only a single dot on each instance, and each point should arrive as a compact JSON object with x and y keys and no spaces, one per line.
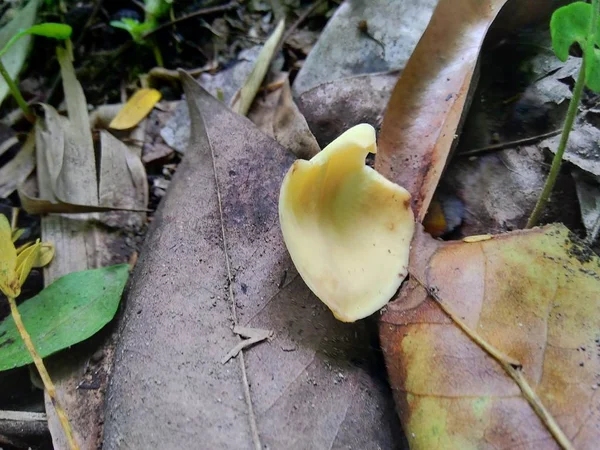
{"x":16,"y":263}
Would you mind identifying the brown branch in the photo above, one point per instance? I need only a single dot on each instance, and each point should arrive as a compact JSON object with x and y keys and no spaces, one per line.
{"x":509,"y":144}
{"x":200,"y":12}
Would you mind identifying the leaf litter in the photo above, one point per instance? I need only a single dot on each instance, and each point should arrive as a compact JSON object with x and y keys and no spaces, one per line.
{"x":241,"y":288}
{"x":513,"y":301}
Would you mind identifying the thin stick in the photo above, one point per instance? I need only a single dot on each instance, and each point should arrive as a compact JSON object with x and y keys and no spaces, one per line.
{"x":510,"y":144}
{"x":301,"y":19}
{"x":89,"y":22}
{"x":14,"y":218}
{"x":39,"y":364}
{"x":200,"y":12}
{"x":16,"y":93}
{"x":511,"y":367}
{"x":570,"y":119}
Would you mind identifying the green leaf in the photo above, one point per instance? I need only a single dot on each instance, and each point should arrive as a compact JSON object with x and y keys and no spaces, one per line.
{"x":70,"y":310}
{"x":135,"y":28}
{"x":571,"y":24}
{"x":50,"y":30}
{"x":568,"y":25}
{"x":14,"y":59}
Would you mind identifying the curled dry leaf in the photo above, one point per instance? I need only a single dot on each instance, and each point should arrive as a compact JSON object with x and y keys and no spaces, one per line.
{"x":66,"y":160}
{"x":347,"y":228}
{"x":427,"y":104}
{"x":531,"y":296}
{"x":16,"y":171}
{"x":275,"y":113}
{"x":290,"y":128}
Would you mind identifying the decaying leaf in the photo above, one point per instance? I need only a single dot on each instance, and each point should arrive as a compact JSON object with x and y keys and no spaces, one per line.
{"x":136,"y":109}
{"x":588,"y":194}
{"x":532,"y":296}
{"x":14,"y":58}
{"x":215,"y":258}
{"x":364,"y":38}
{"x":243,"y":99}
{"x":16,"y":171}
{"x":275,"y":113}
{"x":335,"y":106}
{"x":66,"y":161}
{"x":426,"y":106}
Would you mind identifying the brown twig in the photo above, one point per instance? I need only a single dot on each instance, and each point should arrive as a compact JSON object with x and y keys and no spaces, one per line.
{"x":509,"y":144}
{"x":301,"y":19}
{"x":200,"y":12}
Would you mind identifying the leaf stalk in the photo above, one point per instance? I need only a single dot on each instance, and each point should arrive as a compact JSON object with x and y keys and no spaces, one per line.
{"x":45,"y":376}
{"x":16,"y":93}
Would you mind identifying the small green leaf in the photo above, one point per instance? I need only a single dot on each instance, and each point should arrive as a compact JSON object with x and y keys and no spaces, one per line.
{"x":571,"y":24}
{"x":50,"y":30}
{"x":592,"y":72}
{"x":135,"y":28}
{"x":70,"y":310}
{"x":568,"y":25}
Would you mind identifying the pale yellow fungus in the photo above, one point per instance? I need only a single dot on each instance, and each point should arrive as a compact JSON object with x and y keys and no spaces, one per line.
{"x":347,"y":228}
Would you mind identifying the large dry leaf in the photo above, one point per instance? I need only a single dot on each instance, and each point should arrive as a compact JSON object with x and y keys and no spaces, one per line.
{"x":532,"y":295}
{"x":215,"y":259}
{"x":427,"y":104}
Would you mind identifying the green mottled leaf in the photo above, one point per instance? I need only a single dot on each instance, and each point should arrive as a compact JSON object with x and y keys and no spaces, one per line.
{"x":571,"y":24}
{"x":70,"y":310}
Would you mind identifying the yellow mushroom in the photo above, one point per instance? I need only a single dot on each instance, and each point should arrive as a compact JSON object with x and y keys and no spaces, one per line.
{"x":347,"y":228}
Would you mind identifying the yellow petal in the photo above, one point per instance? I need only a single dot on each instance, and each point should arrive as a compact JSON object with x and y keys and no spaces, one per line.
{"x":45,"y":255}
{"x":347,"y":228}
{"x":16,"y":234}
{"x":136,"y":108}
{"x":25,"y":261}
{"x":23,"y":247}
{"x":8,"y":258}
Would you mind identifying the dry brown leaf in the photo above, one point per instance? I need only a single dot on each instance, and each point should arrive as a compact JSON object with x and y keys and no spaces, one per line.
{"x":531,"y":295}
{"x":336,"y":106}
{"x":290,"y":127}
{"x":275,"y":113}
{"x":19,"y":168}
{"x":214,"y":259}
{"x":66,"y":160}
{"x":427,"y":104}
